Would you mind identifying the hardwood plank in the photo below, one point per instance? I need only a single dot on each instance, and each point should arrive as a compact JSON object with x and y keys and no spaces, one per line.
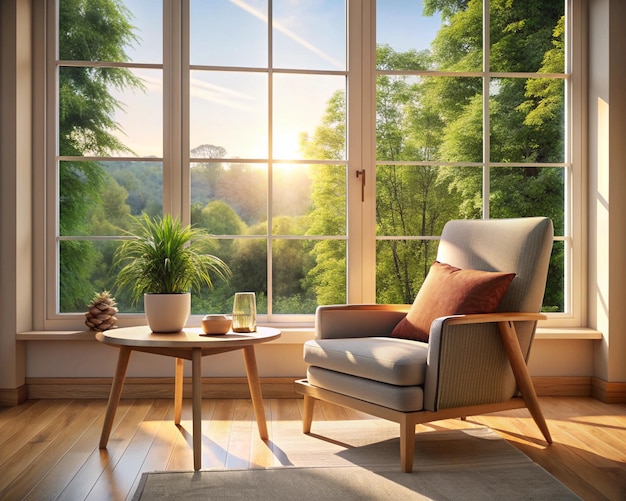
{"x":240,"y":436}
{"x":59,"y":476}
{"x":102,"y":461}
{"x":35,"y":460}
{"x":261,"y":454}
{"x":217,"y":433}
{"x":25,"y":428}
{"x":129,"y":466}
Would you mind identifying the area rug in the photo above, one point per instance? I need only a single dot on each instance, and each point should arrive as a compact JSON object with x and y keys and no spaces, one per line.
{"x":471,"y":464}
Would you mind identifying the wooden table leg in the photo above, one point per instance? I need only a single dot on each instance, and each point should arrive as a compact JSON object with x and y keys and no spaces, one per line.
{"x":114,"y":396}
{"x":255,"y":389}
{"x":178,"y":391}
{"x":196,"y":381}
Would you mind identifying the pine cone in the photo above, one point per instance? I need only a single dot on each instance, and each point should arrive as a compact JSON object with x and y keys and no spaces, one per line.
{"x":101,"y":314}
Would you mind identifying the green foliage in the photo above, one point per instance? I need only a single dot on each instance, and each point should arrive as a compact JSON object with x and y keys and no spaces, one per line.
{"x":163,"y":256}
{"x":326,"y":278}
{"x":89,"y":30}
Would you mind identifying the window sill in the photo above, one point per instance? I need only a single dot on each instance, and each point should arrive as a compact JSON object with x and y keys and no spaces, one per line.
{"x":567,"y":333}
{"x":290,"y":336}
{"x":298,"y":335}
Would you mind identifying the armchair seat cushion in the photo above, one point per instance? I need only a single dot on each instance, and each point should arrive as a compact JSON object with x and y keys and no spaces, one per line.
{"x":400,"y":398}
{"x":394,"y":361}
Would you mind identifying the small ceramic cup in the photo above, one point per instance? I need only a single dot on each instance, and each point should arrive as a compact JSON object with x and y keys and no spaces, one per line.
{"x":216,"y":324}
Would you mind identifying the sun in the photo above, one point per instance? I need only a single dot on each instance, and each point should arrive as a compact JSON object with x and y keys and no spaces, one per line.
{"x":286,"y":145}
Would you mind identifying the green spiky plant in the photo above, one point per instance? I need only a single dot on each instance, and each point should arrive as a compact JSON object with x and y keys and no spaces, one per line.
{"x":164,"y":257}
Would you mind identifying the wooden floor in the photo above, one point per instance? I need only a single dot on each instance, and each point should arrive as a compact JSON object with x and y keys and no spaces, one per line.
{"x":49,"y":448}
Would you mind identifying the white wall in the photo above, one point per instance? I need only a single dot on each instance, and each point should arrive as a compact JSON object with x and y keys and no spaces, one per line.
{"x":15,"y":187}
{"x":607,"y":263}
{"x":607,"y":184}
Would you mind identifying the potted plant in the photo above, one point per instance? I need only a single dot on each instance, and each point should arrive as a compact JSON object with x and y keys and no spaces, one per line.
{"x":163,"y":262}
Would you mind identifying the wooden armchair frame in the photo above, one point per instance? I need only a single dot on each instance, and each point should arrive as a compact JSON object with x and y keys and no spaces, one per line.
{"x":408,"y":420}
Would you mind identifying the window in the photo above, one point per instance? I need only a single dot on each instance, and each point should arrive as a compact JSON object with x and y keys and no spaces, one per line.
{"x":323,"y":157}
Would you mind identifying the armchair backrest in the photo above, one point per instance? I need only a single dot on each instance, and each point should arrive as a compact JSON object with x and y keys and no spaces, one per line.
{"x":522,"y":246}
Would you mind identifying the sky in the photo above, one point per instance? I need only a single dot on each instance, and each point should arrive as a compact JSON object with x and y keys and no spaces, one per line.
{"x":229,"y":109}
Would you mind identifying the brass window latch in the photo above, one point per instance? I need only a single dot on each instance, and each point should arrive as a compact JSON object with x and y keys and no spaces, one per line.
{"x":361,"y":173}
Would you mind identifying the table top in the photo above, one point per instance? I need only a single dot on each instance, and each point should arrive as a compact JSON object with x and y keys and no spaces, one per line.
{"x":192,"y":337}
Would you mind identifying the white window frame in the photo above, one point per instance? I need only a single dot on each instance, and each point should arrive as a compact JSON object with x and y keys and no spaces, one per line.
{"x":361,"y":231}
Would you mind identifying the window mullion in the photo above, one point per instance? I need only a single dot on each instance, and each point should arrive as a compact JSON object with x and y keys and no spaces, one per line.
{"x":361,"y":259}
{"x":486,"y":110}
{"x":174,"y":98}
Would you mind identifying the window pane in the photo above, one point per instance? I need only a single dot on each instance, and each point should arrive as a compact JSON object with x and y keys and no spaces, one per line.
{"x":554,"y":297}
{"x":302,"y":104}
{"x":230,"y":199}
{"x":309,"y":200}
{"x":291,"y":263}
{"x":429,"y":119}
{"x":124,"y":31}
{"x":419,"y":200}
{"x":326,"y":272}
{"x":309,"y":35}
{"x":248,"y":263}
{"x":97,"y":198}
{"x":291,"y":199}
{"x":225,"y":33}
{"x":329,"y":203}
{"x":527,"y":36}
{"x":401,"y":266}
{"x":409,"y":38}
{"x":247,"y":259}
{"x":229,"y":110}
{"x":86,"y":266}
{"x":527,"y":118}
{"x":142,"y":182}
{"x":527,"y":192}
{"x":103,"y":112}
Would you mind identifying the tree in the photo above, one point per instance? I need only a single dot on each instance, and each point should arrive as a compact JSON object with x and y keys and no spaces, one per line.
{"x":440,"y":119}
{"x":89,"y":30}
{"x":526,"y":115}
{"x":327,"y":277}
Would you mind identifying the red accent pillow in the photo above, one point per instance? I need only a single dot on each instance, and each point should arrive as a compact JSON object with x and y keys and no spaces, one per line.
{"x":451,"y":291}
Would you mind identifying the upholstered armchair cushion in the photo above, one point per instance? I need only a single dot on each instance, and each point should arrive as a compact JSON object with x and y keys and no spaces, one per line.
{"x":393,"y":361}
{"x":384,"y":370}
{"x":401,"y":398}
{"x":448,"y":290}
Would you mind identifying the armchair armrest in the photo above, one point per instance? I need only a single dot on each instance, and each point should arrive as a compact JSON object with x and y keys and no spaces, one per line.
{"x":483,"y":318}
{"x":358,"y":320}
{"x":478,"y":359}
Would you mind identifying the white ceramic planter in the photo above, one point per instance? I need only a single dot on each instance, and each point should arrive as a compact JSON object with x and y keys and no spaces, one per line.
{"x":167,"y":312}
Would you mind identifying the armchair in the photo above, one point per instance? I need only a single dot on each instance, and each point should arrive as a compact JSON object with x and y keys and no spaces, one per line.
{"x":472,"y":363}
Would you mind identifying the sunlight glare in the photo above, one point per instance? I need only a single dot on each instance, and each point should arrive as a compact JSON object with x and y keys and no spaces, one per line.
{"x":285,"y":144}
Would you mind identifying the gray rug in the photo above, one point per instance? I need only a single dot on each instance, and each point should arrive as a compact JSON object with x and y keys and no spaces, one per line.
{"x":460,"y":464}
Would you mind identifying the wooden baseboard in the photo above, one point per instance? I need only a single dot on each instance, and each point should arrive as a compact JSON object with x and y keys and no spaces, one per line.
{"x":562,"y":386}
{"x":271,"y":387}
{"x":607,"y":392}
{"x":156,"y":388}
{"x":13,"y":396}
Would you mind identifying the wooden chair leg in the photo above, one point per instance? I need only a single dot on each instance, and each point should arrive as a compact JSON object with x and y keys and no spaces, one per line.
{"x":307,"y":418}
{"x":407,"y":445}
{"x":522,"y":378}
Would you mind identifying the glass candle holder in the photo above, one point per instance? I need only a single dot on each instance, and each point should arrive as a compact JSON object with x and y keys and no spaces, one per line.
{"x":244,"y":312}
